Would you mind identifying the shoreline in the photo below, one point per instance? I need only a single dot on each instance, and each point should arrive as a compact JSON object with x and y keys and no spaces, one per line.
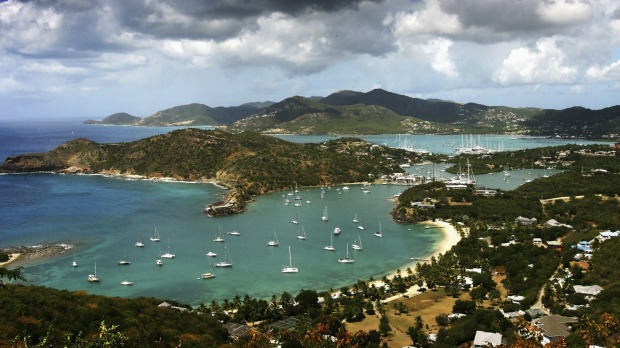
{"x":451,"y":237}
{"x":21,"y":256}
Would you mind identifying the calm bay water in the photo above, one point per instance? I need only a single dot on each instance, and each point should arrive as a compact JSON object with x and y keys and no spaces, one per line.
{"x":105,"y":216}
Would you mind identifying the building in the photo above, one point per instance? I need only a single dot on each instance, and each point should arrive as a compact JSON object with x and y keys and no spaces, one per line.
{"x":589,"y":290}
{"x":484,"y":339}
{"x":554,"y":326}
{"x":523,"y":221}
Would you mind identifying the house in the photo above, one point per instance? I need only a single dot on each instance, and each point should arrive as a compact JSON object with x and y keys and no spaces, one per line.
{"x":515,"y":298}
{"x":589,"y":291}
{"x":486,"y":193}
{"x":523,"y":221}
{"x":554,"y":326}
{"x":583,"y":246}
{"x":555,"y":244}
{"x":237,"y":330}
{"x":555,"y":223}
{"x":484,"y":339}
{"x":537,"y":241}
{"x":422,"y":205}
{"x":607,"y":235}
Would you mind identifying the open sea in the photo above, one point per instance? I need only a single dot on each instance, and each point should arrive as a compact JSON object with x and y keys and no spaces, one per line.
{"x":103,"y":217}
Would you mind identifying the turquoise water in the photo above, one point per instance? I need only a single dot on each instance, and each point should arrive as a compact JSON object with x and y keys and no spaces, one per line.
{"x":105,"y":216}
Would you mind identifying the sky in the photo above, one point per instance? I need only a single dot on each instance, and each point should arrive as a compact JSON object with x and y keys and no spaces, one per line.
{"x":92,"y":58}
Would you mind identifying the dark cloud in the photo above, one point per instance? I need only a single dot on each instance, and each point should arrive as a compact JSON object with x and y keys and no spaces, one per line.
{"x":216,"y":19}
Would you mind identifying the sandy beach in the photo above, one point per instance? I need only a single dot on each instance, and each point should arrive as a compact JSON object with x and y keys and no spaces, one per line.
{"x":24,"y":255}
{"x":451,"y":237}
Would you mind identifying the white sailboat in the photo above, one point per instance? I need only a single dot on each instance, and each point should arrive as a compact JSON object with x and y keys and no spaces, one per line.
{"x":126,"y":282}
{"x":211,"y":254}
{"x":330,"y":247}
{"x":74,"y":263}
{"x":155,"y":236}
{"x":308,"y":201}
{"x":219,"y":237}
{"x":289,"y":268}
{"x":301,"y":235}
{"x":357,"y":245}
{"x":168,"y":254}
{"x":360,"y":226}
{"x":159,"y":261}
{"x":123,"y":261}
{"x":208,"y":275}
{"x":295,"y":220}
{"x":93,"y":277}
{"x":337,"y":230}
{"x":346,"y":259}
{"x":325,"y":217}
{"x":274,"y":240}
{"x":139,"y":243}
{"x":355,"y":219}
{"x":380,"y":232}
{"x":227,"y":259}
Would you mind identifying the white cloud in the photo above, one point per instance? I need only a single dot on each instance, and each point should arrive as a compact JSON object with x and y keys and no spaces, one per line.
{"x":53,"y":68}
{"x":544,"y":64}
{"x":605,"y":73}
{"x":564,"y":11}
{"x":428,"y":20}
{"x":441,"y":61}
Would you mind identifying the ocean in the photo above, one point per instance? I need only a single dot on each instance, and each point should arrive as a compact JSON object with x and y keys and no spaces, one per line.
{"x":103,"y":217}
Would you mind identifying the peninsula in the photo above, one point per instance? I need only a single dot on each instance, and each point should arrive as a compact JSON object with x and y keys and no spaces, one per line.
{"x":247,"y":163}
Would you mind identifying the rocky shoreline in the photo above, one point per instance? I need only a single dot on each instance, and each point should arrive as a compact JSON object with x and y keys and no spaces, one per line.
{"x":28,"y":254}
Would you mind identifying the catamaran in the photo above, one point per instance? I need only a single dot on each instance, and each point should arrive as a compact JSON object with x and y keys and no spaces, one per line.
{"x":274,"y":240}
{"x":289,"y":268}
{"x":346,"y":259}
{"x":301,"y":235}
{"x":219,"y":237}
{"x":380,"y":232}
{"x":93,"y":277}
{"x":155,"y":236}
{"x":168,"y":254}
{"x":227,"y":259}
{"x":330,"y":247}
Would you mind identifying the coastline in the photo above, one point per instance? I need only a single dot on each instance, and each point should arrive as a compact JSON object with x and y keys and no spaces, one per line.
{"x":451,"y":237}
{"x":26,"y":255}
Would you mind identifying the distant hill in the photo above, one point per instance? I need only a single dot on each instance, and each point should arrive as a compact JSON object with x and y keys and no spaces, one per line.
{"x":433,"y":110}
{"x":121,"y":118}
{"x":301,"y":115}
{"x":379,"y":111}
{"x":187,"y":115}
{"x":576,"y":121}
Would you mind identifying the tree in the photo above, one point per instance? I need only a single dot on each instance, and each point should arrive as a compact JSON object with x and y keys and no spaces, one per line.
{"x":416,"y":333}
{"x":13,"y":274}
{"x":384,"y":325}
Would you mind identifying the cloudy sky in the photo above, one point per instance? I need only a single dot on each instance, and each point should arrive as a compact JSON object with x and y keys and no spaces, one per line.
{"x":92,"y":58}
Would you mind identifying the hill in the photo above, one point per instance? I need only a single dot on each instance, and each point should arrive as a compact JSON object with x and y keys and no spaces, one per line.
{"x":248,"y":163}
{"x":121,"y":118}
{"x":440,"y":111}
{"x":299,"y":115}
{"x":576,"y":121}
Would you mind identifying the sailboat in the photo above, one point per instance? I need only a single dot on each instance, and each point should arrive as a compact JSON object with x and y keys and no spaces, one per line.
{"x":159,"y":261}
{"x":356,"y":245}
{"x":301,"y":235}
{"x":330,"y":247}
{"x":93,"y":277}
{"x":380,"y":232}
{"x":207,"y":275}
{"x":74,"y":263}
{"x":346,"y":259}
{"x":355,"y":219}
{"x":359,"y":226}
{"x":507,"y":170}
{"x":295,"y":220}
{"x":126,"y":282}
{"x":289,"y":268}
{"x":168,"y":254}
{"x":227,"y":259}
{"x":123,"y":261}
{"x":325,"y":217}
{"x":211,"y":254}
{"x":139,"y":243}
{"x":337,"y":230}
{"x":308,"y":201}
{"x":274,"y":240}
{"x":155,"y":236}
{"x":219,"y":237}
